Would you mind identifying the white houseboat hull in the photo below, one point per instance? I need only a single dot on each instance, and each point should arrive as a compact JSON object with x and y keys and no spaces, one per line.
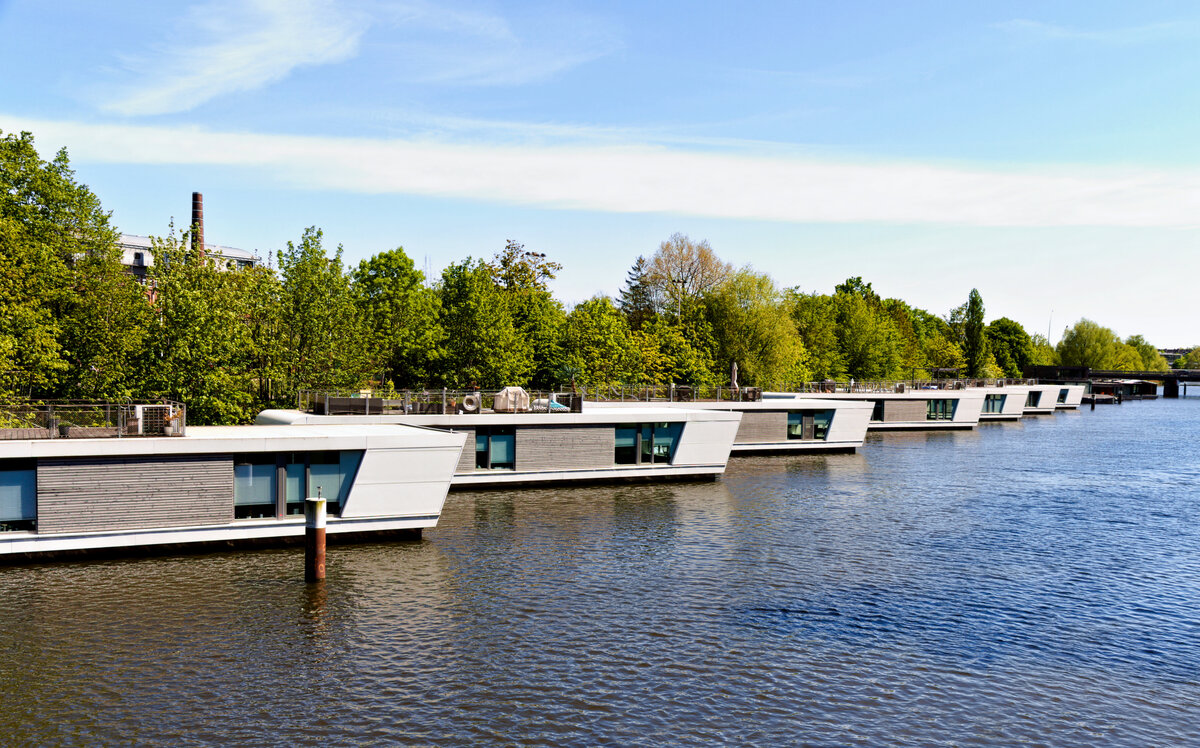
{"x":91,"y":494}
{"x":567,"y":447}
{"x":799,"y":425}
{"x":1005,"y":403}
{"x":914,"y":409}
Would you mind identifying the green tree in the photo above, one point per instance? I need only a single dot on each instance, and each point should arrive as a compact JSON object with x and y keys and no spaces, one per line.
{"x":1125,"y":357}
{"x":816,"y":318}
{"x":199,"y":340}
{"x":943,"y":353}
{"x":402,"y":314}
{"x":856,"y":287}
{"x":325,"y":338}
{"x":753,"y":327}
{"x":1189,"y":360}
{"x":1087,"y":344}
{"x":975,"y":348}
{"x":483,"y":345}
{"x":669,"y":356}
{"x":910,"y":334}
{"x":1011,"y":346}
{"x":538,"y":317}
{"x":638,"y":298}
{"x":31,"y":280}
{"x":599,"y":346}
{"x":1043,"y":354}
{"x":867,"y":338}
{"x":1151,"y":359}
{"x":75,"y":320}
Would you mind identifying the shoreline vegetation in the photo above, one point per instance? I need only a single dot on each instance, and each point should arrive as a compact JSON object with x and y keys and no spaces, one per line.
{"x":231,"y":342}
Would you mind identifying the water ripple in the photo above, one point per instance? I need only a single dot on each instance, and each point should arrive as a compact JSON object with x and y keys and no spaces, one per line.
{"x":1025,"y":584}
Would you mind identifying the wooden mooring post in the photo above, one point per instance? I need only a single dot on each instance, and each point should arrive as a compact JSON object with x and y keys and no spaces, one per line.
{"x":314,"y":538}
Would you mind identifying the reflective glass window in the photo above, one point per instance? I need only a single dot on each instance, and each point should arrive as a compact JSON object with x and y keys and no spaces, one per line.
{"x":254,"y":491}
{"x":627,"y":445}
{"x":18,"y":495}
{"x":496,"y":448}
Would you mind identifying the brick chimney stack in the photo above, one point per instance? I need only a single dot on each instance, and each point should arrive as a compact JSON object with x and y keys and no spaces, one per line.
{"x":197,"y":226}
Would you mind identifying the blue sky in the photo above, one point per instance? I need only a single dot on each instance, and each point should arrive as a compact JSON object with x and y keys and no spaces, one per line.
{"x":1046,"y":154}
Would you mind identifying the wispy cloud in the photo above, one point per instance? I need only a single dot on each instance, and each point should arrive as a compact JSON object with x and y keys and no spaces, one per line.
{"x":1142,"y":34}
{"x":755,"y":182}
{"x":222,"y":46}
{"x":439,"y":43}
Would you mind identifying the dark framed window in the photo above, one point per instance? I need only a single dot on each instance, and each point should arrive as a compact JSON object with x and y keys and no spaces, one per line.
{"x":18,"y":495}
{"x":330,"y":476}
{"x":276,"y":484}
{"x":1062,"y":395}
{"x":940,"y":410}
{"x":809,"y":425}
{"x":994,"y":403}
{"x":877,"y":413}
{"x":496,"y":448}
{"x":646,"y":443}
{"x":1034,"y":397}
{"x":628,"y":440}
{"x":255,"y":486}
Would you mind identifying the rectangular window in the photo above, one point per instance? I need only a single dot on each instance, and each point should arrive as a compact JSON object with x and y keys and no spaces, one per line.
{"x":646,"y":443}
{"x":822,"y":420}
{"x":1035,"y":397}
{"x":666,"y":437}
{"x":809,"y":425}
{"x":269,"y":485}
{"x":254,"y":486}
{"x":295,"y":483}
{"x":940,"y":410}
{"x":1062,"y":395}
{"x":330,"y":475}
{"x":18,"y":495}
{"x":877,"y":413}
{"x":627,"y":445}
{"x":496,"y":448}
{"x":994,"y":403}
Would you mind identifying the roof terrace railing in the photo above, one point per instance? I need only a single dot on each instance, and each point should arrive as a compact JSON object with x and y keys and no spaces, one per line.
{"x":691,"y":393}
{"x":73,"y":419}
{"x":448,"y":401}
{"x":436,"y":402}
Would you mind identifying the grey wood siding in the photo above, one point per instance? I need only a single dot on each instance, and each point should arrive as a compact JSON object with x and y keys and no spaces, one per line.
{"x":82,"y":494}
{"x":466,"y":463}
{"x":904,"y":410}
{"x":565,"y":447}
{"x":758,"y":428}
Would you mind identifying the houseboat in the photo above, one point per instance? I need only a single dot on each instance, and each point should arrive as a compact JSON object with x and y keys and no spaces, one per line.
{"x":539,"y":440}
{"x":1070,"y":396}
{"x":905,"y":408}
{"x":799,"y":425}
{"x":217,"y":483}
{"x":1043,"y":399}
{"x":1006,"y":403}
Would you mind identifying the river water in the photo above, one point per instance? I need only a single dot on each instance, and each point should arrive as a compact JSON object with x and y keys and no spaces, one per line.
{"x":1029,"y":583}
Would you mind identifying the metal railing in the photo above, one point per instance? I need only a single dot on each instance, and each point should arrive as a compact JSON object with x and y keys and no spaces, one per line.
{"x":434,"y":402}
{"x":70,"y":419}
{"x":718,"y":393}
{"x":448,"y":401}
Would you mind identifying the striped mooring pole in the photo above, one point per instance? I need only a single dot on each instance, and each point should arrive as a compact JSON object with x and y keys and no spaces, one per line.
{"x":314,"y":538}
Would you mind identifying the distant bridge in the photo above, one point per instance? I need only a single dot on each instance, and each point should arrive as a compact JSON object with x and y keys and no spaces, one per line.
{"x":1170,"y":379}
